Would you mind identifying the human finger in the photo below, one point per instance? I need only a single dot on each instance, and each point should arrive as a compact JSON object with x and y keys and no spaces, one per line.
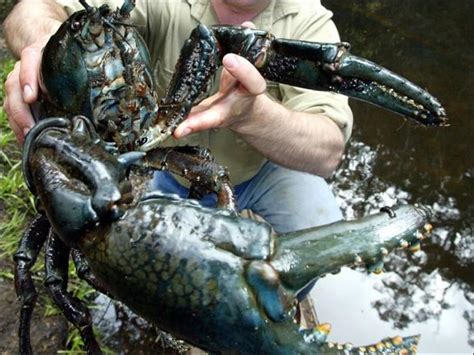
{"x":18,"y":112}
{"x":16,"y":130}
{"x":30,"y":62}
{"x":249,"y":24}
{"x":202,"y":120}
{"x":245,"y":73}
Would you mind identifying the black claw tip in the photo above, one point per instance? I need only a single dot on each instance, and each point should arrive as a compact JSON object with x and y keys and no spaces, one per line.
{"x":388,"y":210}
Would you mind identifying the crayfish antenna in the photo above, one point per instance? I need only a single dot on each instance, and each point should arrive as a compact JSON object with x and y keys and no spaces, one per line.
{"x":86,"y":6}
{"x":127,"y":8}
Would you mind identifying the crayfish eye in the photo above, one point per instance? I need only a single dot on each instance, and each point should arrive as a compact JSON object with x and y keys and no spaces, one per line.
{"x":75,"y":26}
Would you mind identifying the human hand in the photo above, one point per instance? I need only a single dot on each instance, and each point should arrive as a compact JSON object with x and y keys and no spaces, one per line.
{"x":22,"y":87}
{"x":240,"y":92}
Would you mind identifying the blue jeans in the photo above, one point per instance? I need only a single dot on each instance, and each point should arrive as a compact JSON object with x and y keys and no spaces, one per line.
{"x":287,"y":199}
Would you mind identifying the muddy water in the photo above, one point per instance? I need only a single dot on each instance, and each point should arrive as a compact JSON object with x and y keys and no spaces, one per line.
{"x":390,"y":161}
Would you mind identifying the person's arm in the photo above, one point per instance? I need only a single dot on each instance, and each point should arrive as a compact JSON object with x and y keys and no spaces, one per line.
{"x":30,"y":21}
{"x":297,"y":140}
{"x":306,"y":131}
{"x":27,"y":29}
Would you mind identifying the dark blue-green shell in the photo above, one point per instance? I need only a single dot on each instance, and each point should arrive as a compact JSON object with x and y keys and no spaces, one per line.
{"x":65,"y":81}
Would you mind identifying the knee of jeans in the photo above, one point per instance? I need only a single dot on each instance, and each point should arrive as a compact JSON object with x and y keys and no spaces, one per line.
{"x":328,"y":214}
{"x":165,"y":182}
{"x":295,"y":216}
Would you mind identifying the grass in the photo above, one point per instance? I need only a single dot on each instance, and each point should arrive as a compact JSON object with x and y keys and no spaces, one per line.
{"x":16,"y":209}
{"x":16,"y":203}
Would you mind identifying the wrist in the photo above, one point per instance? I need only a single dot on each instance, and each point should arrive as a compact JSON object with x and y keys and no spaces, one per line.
{"x":46,"y":17}
{"x":249,"y":115}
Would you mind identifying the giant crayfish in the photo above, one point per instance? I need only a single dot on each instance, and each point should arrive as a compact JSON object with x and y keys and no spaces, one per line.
{"x":218,"y":281}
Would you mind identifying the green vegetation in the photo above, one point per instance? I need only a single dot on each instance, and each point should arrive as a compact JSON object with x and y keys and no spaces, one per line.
{"x":16,"y":203}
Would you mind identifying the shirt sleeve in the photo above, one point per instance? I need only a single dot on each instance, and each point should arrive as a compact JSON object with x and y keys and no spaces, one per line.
{"x":315,"y":24}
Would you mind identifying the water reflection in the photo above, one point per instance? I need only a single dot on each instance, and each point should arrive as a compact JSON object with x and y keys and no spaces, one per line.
{"x":358,"y":323}
{"x":429,"y":42}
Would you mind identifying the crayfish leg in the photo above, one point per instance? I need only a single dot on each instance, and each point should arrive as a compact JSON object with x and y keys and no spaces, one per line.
{"x":56,"y":279}
{"x":84,"y":272}
{"x":25,"y":257}
{"x":196,"y":165}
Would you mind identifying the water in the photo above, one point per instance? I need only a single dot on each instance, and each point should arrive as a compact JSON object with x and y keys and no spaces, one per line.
{"x":390,"y":161}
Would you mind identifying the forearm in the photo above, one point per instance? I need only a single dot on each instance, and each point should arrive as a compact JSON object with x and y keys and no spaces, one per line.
{"x":31,"y":20}
{"x":297,"y":140}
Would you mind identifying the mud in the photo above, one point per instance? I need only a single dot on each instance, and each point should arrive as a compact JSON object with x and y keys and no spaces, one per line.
{"x":48,"y":334}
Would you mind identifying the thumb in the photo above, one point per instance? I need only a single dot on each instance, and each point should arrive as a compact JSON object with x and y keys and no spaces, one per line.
{"x":29,"y":69}
{"x":249,"y":24}
{"x":245,"y":73}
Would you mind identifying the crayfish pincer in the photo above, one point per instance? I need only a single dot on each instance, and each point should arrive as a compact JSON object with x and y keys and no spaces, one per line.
{"x":205,"y":275}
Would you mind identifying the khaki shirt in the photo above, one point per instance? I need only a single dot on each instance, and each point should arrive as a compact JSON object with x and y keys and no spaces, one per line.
{"x":166,"y":24}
